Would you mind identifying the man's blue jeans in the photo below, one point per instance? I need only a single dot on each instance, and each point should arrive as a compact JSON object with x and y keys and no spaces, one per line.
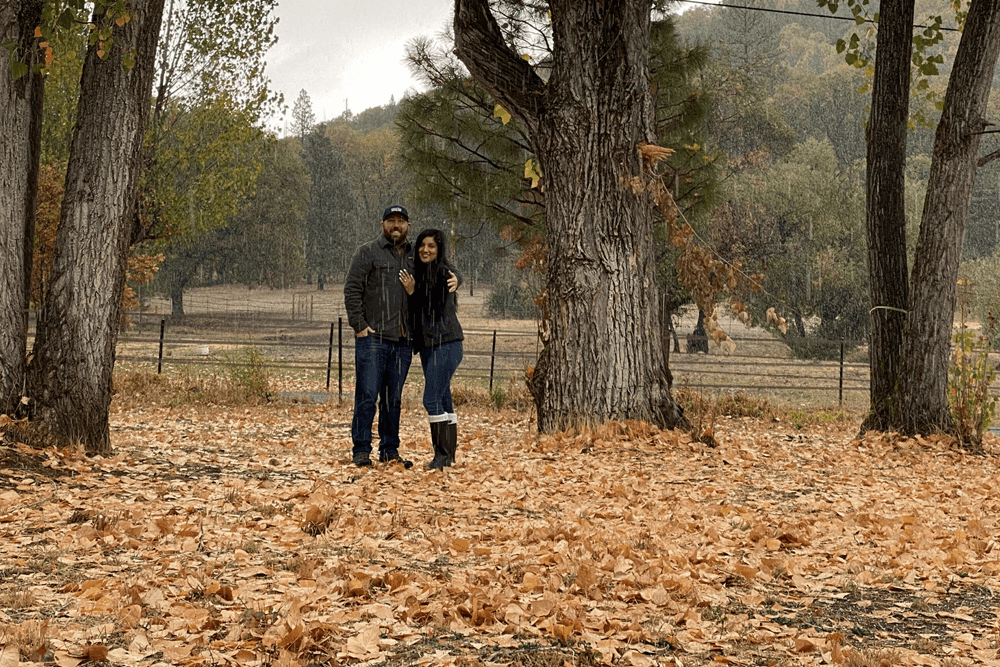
{"x":381,"y":368}
{"x":439,"y":363}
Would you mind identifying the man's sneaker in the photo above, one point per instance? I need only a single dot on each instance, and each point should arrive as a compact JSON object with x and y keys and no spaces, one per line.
{"x":362,"y":459}
{"x":394,"y":457}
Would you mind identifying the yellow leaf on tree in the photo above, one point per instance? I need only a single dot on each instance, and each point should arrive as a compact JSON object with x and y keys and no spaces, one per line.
{"x":502,"y":114}
{"x":532,"y":171}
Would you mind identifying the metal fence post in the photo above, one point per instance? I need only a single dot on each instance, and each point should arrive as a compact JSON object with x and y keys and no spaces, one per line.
{"x":340,"y":360}
{"x":493,"y":358}
{"x":159,"y":358}
{"x":840,"y":388}
{"x":329,"y":359}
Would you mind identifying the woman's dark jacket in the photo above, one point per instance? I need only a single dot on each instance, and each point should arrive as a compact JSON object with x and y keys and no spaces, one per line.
{"x":431,"y":326}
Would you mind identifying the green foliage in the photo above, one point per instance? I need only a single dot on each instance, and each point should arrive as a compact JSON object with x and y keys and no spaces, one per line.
{"x":971,"y":373}
{"x":376,"y":175}
{"x":498,"y":397}
{"x":330,"y":214}
{"x":248,"y":373}
{"x":303,"y":118}
{"x":62,"y":90}
{"x":205,"y":136}
{"x":821,"y":95}
{"x":205,"y":129}
{"x":683,"y":108}
{"x":262,"y":243}
{"x":259,"y":244}
{"x":206,"y":165}
{"x":465,"y":158}
{"x":800,"y":222}
{"x":512,"y":301}
{"x":211,"y":48}
{"x":979,"y":290}
{"x":812,"y":346}
{"x":927,"y":55}
{"x":748,"y":124}
{"x":61,"y":16}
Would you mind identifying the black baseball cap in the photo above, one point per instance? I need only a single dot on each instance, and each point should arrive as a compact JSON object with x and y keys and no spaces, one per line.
{"x":395,"y":210}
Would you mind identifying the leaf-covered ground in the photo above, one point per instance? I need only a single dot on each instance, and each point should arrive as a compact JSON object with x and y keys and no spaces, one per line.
{"x":244,"y":536}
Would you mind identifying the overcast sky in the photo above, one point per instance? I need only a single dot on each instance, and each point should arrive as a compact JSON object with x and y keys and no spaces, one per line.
{"x":349,"y":53}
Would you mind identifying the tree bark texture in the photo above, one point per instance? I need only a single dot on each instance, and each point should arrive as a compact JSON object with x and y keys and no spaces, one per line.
{"x":602,"y":357}
{"x":923,"y":378}
{"x":69,"y":378}
{"x":20,"y":141}
{"x":886,"y":216}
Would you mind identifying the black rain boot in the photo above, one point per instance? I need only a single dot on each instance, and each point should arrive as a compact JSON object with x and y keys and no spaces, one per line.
{"x":439,"y":437}
{"x":452,"y":443}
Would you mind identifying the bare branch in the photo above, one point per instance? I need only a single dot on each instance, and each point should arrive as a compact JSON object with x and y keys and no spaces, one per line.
{"x":986,"y":159}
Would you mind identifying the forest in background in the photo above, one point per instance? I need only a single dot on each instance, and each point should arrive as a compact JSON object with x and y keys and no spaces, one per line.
{"x":766,"y":118}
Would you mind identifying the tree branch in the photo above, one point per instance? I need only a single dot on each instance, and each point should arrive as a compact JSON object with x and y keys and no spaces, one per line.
{"x":479,"y":44}
{"x":986,"y":159}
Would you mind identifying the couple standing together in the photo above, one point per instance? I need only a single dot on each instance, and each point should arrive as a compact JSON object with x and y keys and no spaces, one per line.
{"x":400,"y":305}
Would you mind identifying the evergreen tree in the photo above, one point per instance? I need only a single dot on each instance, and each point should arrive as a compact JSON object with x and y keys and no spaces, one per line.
{"x":330,"y":210}
{"x":303,"y":118}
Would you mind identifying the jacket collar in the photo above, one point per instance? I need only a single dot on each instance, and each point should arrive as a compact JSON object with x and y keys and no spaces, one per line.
{"x":386,"y":244}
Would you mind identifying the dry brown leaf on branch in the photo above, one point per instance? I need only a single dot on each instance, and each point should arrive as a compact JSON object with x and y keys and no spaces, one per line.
{"x":651,"y":154}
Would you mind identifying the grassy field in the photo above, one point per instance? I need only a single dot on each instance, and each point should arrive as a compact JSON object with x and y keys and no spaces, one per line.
{"x":222,"y":320}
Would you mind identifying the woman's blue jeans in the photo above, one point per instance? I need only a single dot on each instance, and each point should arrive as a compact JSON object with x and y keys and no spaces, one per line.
{"x":439,"y":363}
{"x":381,"y":369}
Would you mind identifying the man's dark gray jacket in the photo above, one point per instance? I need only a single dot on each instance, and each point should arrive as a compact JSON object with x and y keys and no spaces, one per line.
{"x":373,"y":295}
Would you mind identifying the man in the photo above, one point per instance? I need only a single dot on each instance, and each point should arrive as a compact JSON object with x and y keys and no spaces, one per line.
{"x":376,"y":309}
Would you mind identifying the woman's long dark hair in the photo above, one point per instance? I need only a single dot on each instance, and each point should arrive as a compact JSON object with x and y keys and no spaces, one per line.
{"x":431,"y":279}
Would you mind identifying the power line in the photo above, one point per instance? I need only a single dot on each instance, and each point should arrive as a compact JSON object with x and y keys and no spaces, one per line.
{"x":787,"y":11}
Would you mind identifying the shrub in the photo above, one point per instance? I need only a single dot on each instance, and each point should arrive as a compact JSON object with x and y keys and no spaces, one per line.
{"x":248,"y":373}
{"x":511,"y":301}
{"x":814,"y":346}
{"x":972,"y":405}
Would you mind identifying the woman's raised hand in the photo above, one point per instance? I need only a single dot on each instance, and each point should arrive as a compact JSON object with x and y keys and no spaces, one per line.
{"x":407,"y":280}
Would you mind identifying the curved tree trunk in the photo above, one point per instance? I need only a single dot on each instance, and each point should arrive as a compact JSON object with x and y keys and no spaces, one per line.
{"x":886,"y":214}
{"x":69,"y":379}
{"x":602,"y":358}
{"x":923,"y":377}
{"x":20,"y":139}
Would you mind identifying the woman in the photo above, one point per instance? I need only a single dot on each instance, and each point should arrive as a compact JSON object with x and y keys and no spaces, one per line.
{"x":437,"y":336}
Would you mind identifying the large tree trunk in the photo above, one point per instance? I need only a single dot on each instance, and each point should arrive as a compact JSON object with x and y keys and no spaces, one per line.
{"x":886,"y":216}
{"x":20,"y":139}
{"x":602,"y":358}
{"x":923,"y":377}
{"x":69,"y":379}
{"x":177,"y":301}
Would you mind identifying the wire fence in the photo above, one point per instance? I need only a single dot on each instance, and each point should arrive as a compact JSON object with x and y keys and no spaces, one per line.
{"x":323,"y":359}
{"x":320,"y":356}
{"x":301,"y":335}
